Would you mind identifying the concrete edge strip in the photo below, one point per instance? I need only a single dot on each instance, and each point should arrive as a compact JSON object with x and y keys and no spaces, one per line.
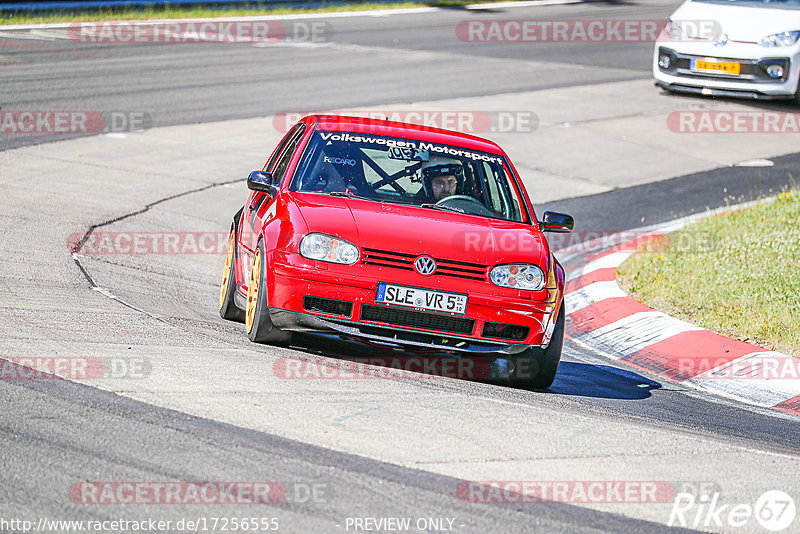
{"x":300,"y":16}
{"x":667,"y":347}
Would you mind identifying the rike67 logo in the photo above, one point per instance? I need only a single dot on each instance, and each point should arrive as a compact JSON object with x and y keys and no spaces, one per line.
{"x":774,"y":510}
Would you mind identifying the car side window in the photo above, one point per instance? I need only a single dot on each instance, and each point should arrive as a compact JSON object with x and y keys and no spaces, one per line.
{"x":494,"y":189}
{"x":279,"y":149}
{"x":517,"y":204}
{"x":286,"y":155}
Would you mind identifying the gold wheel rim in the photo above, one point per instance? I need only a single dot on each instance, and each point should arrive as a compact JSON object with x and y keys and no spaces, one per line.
{"x":223,"y":290}
{"x":252,"y":291}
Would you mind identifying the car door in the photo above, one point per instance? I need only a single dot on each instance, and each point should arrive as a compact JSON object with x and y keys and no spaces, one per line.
{"x":260,"y":206}
{"x":258,"y":203}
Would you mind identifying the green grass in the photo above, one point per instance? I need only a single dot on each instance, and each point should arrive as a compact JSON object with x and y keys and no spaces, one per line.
{"x":737,"y":274}
{"x":181,"y":13}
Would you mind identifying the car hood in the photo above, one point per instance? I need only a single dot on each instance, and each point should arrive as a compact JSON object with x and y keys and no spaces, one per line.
{"x":740,"y":22}
{"x":416,"y":231}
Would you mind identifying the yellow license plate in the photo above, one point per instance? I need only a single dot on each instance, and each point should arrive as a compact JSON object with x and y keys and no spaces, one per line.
{"x":728,"y":67}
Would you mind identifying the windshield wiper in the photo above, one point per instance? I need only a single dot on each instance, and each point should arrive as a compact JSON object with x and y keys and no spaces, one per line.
{"x":442,"y":207}
{"x":348,"y":194}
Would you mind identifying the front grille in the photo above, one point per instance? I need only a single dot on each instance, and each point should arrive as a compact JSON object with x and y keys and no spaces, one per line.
{"x":397,"y":260}
{"x":329,"y":306}
{"x":430,"y":321}
{"x":752,"y":70}
{"x":385,"y":258}
{"x":511,"y":332}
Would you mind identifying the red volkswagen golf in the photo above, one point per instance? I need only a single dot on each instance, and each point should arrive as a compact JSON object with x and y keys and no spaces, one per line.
{"x":398,"y":234}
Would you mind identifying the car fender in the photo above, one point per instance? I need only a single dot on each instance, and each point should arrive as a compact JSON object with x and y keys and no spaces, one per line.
{"x":282,"y":231}
{"x":555,"y":283}
{"x":561,"y":277}
{"x":238,"y":268}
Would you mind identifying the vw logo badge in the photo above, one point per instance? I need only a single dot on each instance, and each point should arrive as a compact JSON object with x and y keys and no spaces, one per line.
{"x":722,"y":41}
{"x":425,"y":265}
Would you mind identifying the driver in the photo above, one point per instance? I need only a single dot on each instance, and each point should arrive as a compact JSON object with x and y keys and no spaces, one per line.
{"x":442,"y":181}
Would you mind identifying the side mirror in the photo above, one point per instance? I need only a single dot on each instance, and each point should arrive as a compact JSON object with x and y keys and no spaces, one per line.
{"x":554,"y":221}
{"x":261,"y":181}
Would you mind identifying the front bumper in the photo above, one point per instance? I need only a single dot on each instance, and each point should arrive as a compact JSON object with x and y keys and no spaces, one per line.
{"x":389,"y":334}
{"x":306,"y":296}
{"x":752,"y":82}
{"x":715,"y":91}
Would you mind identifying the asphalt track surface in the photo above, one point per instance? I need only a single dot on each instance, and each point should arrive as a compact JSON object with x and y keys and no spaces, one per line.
{"x":376,"y":60}
{"x":56,"y":433}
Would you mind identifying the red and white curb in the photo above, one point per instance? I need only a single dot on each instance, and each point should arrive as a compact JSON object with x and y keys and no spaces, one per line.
{"x":601,"y":316}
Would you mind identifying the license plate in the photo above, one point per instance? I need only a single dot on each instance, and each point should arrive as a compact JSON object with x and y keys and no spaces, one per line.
{"x":727,"y":67}
{"x":424,"y":299}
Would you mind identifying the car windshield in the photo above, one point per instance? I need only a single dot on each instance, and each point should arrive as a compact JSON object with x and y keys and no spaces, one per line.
{"x":407,"y":171}
{"x":775,"y":4}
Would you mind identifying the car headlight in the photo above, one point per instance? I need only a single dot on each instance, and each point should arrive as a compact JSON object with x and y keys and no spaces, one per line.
{"x":781,"y":39}
{"x":518,"y":276}
{"x":323,"y":247}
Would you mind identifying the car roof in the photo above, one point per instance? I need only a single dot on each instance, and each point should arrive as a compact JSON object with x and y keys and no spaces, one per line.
{"x":341,"y":123}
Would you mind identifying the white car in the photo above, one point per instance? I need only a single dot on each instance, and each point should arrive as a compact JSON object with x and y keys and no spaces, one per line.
{"x":739,"y":48}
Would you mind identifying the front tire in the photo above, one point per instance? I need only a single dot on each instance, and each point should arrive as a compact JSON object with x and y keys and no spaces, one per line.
{"x":536,"y":367}
{"x":227,"y":307}
{"x":257,"y":321}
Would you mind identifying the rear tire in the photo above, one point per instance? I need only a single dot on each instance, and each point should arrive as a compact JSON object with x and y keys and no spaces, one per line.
{"x":257,"y":321}
{"x":537,"y":367}
{"x":227,"y":307}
